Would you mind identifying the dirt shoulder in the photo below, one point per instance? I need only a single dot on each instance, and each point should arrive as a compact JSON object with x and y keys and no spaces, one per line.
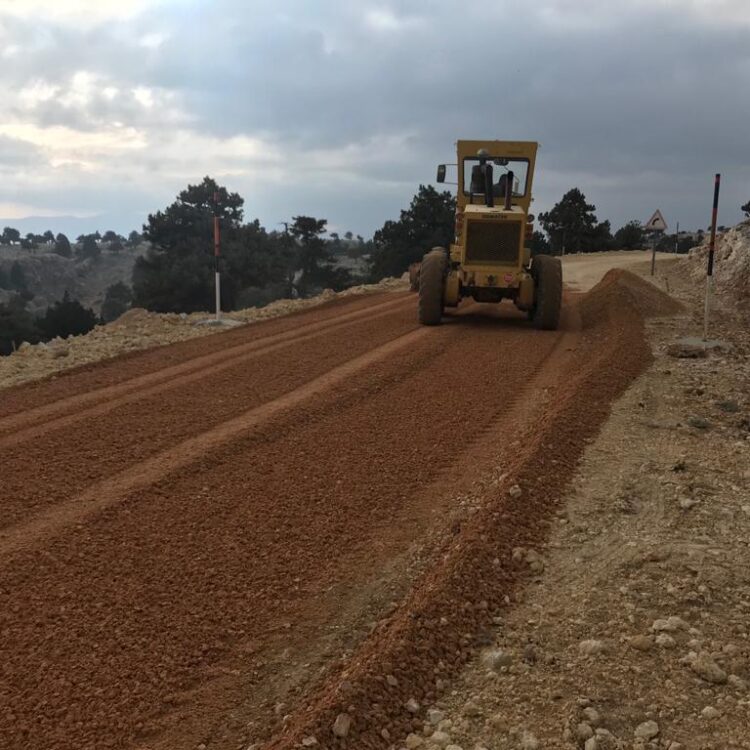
{"x":632,"y":630}
{"x":139,"y":329}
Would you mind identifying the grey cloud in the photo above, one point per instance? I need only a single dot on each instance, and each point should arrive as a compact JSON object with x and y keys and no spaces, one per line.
{"x":639,"y":112}
{"x":15,"y":154}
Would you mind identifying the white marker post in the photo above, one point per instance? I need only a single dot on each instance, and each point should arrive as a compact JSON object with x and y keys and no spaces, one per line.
{"x":710,"y":270}
{"x":217,"y":255}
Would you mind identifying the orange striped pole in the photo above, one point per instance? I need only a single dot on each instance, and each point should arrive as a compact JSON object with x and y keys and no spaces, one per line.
{"x":217,"y":255}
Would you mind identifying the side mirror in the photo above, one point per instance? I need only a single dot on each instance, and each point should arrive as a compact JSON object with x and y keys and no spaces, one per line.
{"x":441,"y":173}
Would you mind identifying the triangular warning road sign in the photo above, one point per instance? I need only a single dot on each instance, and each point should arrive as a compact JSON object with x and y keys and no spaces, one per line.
{"x":656,"y":223}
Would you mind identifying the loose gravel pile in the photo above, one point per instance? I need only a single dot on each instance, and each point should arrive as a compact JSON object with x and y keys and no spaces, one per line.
{"x":406,"y":665}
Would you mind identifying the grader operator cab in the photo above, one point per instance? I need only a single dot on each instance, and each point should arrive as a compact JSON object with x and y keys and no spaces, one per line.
{"x":490,"y":259}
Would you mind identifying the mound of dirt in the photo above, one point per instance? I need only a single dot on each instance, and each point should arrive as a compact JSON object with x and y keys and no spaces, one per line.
{"x":624,"y":289}
{"x":408,"y":659}
{"x":133,"y":318}
{"x":731,"y":261}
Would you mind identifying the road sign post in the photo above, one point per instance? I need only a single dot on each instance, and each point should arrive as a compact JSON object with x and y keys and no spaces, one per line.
{"x":654,"y":228}
{"x":710,"y":268}
{"x":653,"y":256}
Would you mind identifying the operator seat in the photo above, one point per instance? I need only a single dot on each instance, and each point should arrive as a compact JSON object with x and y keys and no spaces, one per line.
{"x":499,"y":188}
{"x":477,"y":179}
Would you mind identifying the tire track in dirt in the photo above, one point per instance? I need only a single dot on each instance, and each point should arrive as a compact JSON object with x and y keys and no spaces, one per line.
{"x":15,"y":428}
{"x":433,"y":632}
{"x":116,"y":488}
{"x":202,"y":368}
{"x":89,"y":450}
{"x":126,"y":366}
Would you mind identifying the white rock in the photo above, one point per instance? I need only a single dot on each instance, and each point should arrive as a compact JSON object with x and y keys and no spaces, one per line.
{"x":309,"y":741}
{"x":665,"y":641}
{"x":647,"y":730}
{"x":471,"y":709}
{"x":494,"y":658}
{"x":592,"y":743}
{"x":435,"y":716}
{"x":342,"y":725}
{"x":440,"y":738}
{"x":411,"y":706}
{"x":709,"y":712}
{"x":677,"y":623}
{"x":670,"y":625}
{"x":591,"y":647}
{"x":391,"y":680}
{"x":706,"y":668}
{"x":592,"y":716}
{"x":529,"y":742}
{"x":642,"y":642}
{"x":413,"y":741}
{"x":454,"y":747}
{"x":535,"y":561}
{"x":515,"y":491}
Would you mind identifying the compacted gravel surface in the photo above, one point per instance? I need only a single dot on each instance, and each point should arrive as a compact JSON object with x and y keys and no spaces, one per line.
{"x":242,"y":538}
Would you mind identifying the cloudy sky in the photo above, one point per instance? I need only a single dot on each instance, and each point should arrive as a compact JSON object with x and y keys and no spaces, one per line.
{"x":340,"y":109}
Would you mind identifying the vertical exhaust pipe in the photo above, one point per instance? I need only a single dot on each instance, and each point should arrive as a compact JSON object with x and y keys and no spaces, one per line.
{"x":508,"y":190}
{"x":489,"y":198}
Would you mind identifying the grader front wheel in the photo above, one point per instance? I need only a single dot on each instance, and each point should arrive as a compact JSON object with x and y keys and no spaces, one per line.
{"x":547,"y":273}
{"x":431,"y":282}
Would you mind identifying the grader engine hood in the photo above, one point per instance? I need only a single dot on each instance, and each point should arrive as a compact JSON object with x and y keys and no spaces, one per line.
{"x":493,"y":236}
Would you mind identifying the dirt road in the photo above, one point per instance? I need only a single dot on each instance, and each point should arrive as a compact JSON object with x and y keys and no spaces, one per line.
{"x":583,"y":271}
{"x":197,"y":540}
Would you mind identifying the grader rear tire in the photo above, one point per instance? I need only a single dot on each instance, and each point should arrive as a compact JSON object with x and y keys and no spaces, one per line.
{"x":547,"y":273}
{"x":431,"y":283}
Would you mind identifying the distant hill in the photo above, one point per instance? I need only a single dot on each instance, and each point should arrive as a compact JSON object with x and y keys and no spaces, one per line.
{"x":49,"y":276}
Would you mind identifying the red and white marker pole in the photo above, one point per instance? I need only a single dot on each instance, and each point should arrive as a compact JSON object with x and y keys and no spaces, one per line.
{"x":711,"y":246}
{"x":217,"y":255}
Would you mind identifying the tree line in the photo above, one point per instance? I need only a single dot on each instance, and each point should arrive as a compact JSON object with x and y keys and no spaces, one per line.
{"x":259,"y":265}
{"x":85,"y":245}
{"x":64,"y":318}
{"x":175,"y":274}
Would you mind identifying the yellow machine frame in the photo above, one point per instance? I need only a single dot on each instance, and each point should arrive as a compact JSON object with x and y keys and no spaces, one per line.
{"x":505,"y":276}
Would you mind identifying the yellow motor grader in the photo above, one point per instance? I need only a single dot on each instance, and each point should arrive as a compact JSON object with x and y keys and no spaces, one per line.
{"x":490,"y":259}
